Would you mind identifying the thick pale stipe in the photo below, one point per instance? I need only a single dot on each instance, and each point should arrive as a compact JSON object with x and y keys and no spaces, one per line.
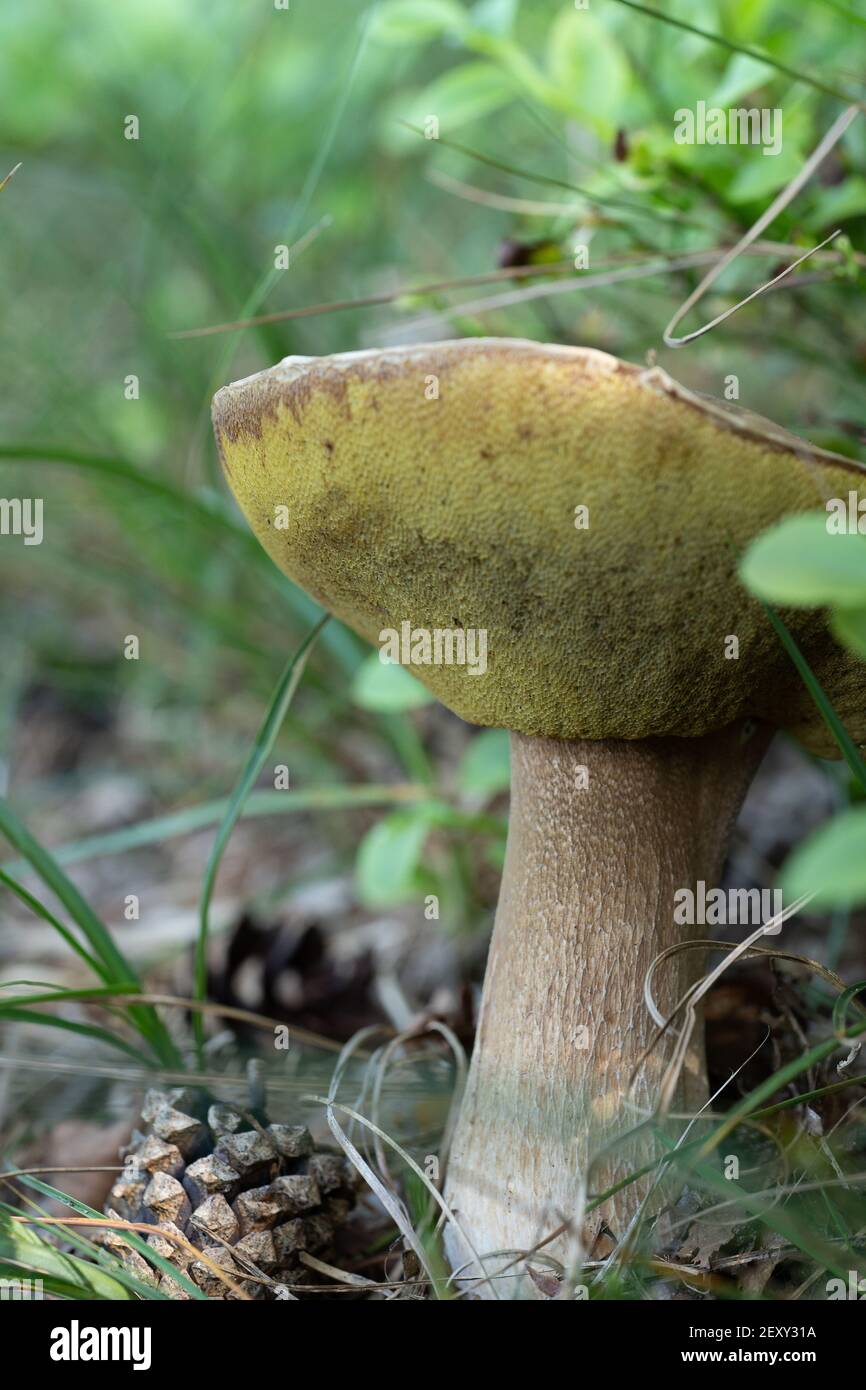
{"x":601,"y":836}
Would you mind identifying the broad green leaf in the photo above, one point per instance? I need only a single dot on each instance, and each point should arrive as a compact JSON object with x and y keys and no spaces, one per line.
{"x":414,"y":21}
{"x":388,"y":866}
{"x":494,"y":16}
{"x":485,"y":767}
{"x":743,"y":74}
{"x":759,"y":175}
{"x":831,"y":863}
{"x":462,"y":94}
{"x":799,"y":563}
{"x":587,"y":63}
{"x":830,"y":206}
{"x":515,"y":59}
{"x":849,"y":627}
{"x":745,"y":19}
{"x":387,"y":687}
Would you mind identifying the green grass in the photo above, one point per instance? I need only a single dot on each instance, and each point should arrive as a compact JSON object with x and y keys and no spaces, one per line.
{"x":264,"y":742}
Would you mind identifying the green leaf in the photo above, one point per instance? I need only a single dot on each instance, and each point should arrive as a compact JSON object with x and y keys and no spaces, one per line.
{"x":264,"y":742}
{"x":849,"y":627}
{"x":831,"y":863}
{"x":743,"y":74}
{"x":388,"y":867}
{"x":485,"y":767}
{"x":759,"y":175}
{"x":414,"y":21}
{"x":494,"y":16}
{"x":587,"y":64}
{"x":799,"y":563}
{"x":463,"y":94}
{"x":745,"y":19}
{"x":386,"y":687}
{"x":57,"y":994}
{"x":831,"y":206}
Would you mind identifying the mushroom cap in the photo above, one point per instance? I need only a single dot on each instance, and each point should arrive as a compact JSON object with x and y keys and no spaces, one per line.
{"x":438,"y":485}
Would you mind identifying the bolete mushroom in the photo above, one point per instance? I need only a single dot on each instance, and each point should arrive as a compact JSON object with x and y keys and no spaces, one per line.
{"x":587,"y":515}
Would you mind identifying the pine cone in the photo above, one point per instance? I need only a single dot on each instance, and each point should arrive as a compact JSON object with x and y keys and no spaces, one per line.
{"x":250,"y":1198}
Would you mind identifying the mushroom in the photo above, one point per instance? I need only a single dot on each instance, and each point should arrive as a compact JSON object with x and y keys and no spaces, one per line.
{"x":586,"y":515}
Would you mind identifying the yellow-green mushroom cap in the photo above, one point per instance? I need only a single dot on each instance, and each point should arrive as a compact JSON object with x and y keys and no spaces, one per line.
{"x":443,"y":485}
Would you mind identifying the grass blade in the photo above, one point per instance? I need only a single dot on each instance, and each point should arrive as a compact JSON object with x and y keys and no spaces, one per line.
{"x":280,"y":701}
{"x":534,"y":176}
{"x":40,"y":910}
{"x":798,"y":1232}
{"x":114,"y":967}
{"x":342,"y":644}
{"x":14,"y":1014}
{"x":848,"y":748}
{"x":748,"y":1108}
{"x":27,"y":1253}
{"x":51,"y":994}
{"x":207,"y":813}
{"x":131,"y":1237}
{"x":211,"y":514}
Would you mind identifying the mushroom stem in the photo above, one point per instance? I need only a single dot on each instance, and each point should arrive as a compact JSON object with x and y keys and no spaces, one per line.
{"x":601,"y":836}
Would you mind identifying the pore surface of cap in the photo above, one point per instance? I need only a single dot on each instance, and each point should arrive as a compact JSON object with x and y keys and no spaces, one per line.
{"x":439,"y":486}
